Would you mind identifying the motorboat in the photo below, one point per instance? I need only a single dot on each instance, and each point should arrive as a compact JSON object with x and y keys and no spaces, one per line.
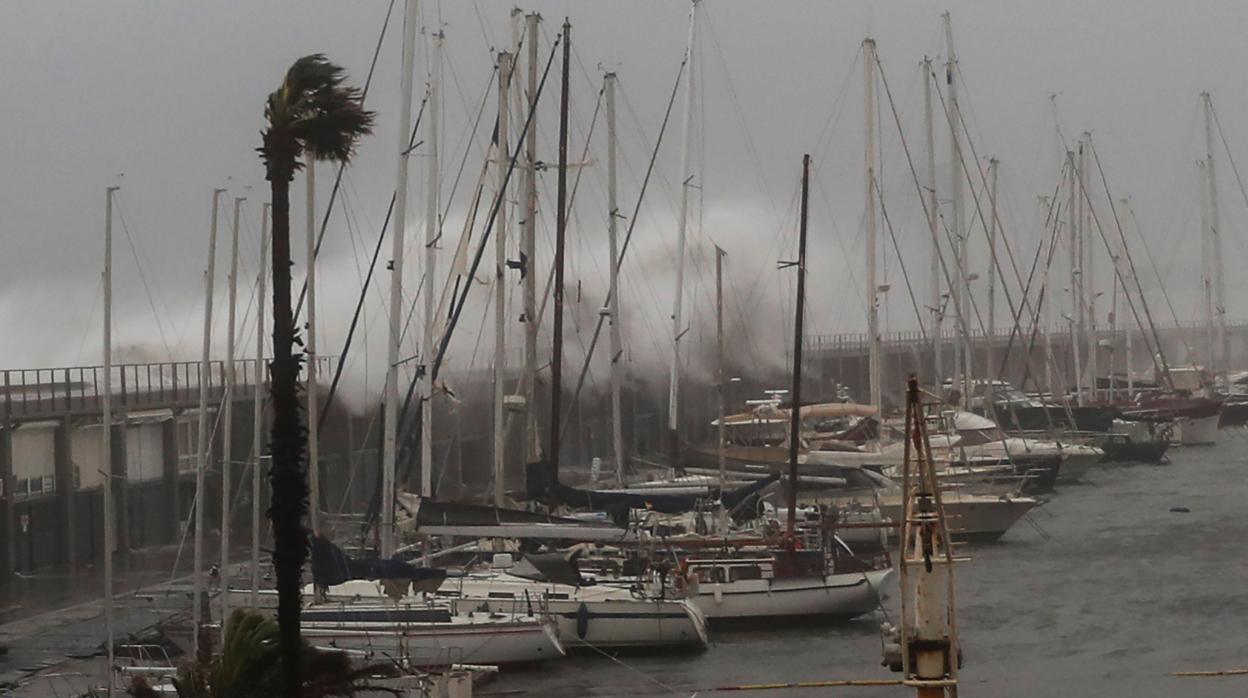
{"x":1234,"y":390}
{"x":972,"y":517}
{"x":981,"y":438}
{"x":1136,"y":441}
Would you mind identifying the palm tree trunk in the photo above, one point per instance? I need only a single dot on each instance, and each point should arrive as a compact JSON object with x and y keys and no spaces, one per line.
{"x":287,"y":478}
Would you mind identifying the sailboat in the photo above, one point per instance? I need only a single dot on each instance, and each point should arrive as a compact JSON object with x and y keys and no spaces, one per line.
{"x":805,"y":572}
{"x":386,"y":607}
{"x":424,"y":631}
{"x":766,"y":583}
{"x":588,"y":615}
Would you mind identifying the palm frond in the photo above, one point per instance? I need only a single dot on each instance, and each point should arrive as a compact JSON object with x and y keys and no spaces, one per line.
{"x":250,"y":649}
{"x":321,"y":115}
{"x":249,"y":666}
{"x":333,"y":133}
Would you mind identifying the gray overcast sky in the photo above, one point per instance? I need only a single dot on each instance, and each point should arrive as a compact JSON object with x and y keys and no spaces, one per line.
{"x":171,"y":95}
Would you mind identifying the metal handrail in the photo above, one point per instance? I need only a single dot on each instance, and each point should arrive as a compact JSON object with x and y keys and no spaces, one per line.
{"x":32,"y":392}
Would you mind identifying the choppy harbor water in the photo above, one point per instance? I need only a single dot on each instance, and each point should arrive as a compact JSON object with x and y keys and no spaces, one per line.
{"x":1108,"y":593}
{"x":1105,"y":592}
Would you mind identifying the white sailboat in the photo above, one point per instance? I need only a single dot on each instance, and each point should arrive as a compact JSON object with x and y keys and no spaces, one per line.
{"x":762,"y":584}
{"x":425,"y":632}
{"x":601,"y":616}
{"x":420,"y":628}
{"x":810,"y":573}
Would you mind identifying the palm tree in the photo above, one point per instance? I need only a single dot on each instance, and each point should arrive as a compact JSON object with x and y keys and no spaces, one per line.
{"x":311,"y":114}
{"x":248,"y":667}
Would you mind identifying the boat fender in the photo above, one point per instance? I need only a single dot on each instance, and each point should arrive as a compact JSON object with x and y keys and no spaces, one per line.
{"x":719,"y":593}
{"x":582,"y":621}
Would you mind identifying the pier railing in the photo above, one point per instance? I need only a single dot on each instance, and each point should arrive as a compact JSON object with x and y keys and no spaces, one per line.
{"x":33,"y":392}
{"x":856,"y":342}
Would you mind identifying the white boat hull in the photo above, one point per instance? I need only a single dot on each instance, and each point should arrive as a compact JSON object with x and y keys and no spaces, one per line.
{"x":972,"y":517}
{"x":840,"y":595}
{"x":613,"y":625}
{"x":1077,"y":461}
{"x":371,"y":623}
{"x":1202,"y":431}
{"x":617,"y":622}
{"x":503,"y":642}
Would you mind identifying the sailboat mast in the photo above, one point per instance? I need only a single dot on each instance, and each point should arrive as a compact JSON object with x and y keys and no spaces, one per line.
{"x":1206,"y":278}
{"x":795,"y":405}
{"x":106,"y":432}
{"x":1215,"y":242}
{"x":227,"y":417}
{"x":686,"y":177}
{"x":719,"y":350}
{"x":500,"y":288}
{"x":1076,"y":308}
{"x":257,"y":404}
{"x":203,"y":435}
{"x":1046,"y":307}
{"x":961,"y":297}
{"x":1130,"y":328}
{"x":617,"y":344}
{"x":990,"y":373}
{"x":390,"y":443}
{"x":1087,"y":266}
{"x":1116,"y":265}
{"x":314,"y":450}
{"x":932,"y":223}
{"x":561,"y":230}
{"x":869,"y":158}
{"x":432,"y":232}
{"x":528,"y":246}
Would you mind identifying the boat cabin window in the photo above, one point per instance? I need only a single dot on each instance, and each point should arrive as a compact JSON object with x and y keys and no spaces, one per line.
{"x":744,"y":572}
{"x":976,"y":437}
{"x":710,"y":573}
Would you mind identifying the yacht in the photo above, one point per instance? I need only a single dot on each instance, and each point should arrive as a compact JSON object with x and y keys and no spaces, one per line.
{"x":981,"y":438}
